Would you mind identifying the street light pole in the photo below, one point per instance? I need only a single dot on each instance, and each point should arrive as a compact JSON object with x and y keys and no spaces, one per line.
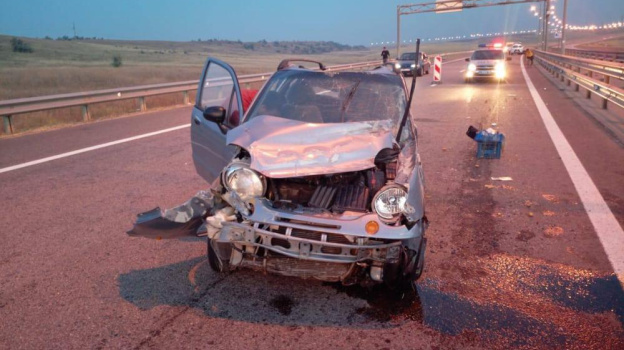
{"x":398,"y":30}
{"x":563,"y":28}
{"x":545,"y":26}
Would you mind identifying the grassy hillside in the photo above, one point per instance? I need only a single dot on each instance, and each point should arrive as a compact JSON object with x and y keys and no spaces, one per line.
{"x":61,"y":66}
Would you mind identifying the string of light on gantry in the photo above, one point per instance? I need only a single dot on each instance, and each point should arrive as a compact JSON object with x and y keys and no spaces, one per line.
{"x":460,"y":37}
{"x":557,"y":23}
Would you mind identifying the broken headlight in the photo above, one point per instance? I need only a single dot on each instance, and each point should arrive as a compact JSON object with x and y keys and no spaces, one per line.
{"x":245,"y":182}
{"x":389,"y":202}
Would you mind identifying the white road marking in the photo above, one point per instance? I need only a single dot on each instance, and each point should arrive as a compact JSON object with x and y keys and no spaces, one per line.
{"x":607,"y":228}
{"x":92,"y":148}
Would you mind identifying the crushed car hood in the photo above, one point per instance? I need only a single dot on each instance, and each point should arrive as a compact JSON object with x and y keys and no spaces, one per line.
{"x":281,"y":148}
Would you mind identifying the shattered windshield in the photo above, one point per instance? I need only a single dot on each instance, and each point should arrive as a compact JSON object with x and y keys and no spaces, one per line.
{"x":488,"y":55}
{"x":317,"y":97}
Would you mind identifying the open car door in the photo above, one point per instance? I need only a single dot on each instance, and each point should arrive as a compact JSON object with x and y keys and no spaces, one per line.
{"x":218,"y":108}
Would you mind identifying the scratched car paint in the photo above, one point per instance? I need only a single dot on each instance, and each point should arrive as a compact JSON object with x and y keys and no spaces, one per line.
{"x":322,"y":178}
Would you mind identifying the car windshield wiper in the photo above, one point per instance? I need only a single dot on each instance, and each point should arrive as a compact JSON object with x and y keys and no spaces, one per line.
{"x":347,"y":101}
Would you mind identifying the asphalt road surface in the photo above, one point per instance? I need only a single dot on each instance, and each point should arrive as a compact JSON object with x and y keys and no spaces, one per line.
{"x":509,"y":264}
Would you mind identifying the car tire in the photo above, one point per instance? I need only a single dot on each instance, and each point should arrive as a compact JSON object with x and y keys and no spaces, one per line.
{"x":215,"y":263}
{"x":419,"y":72}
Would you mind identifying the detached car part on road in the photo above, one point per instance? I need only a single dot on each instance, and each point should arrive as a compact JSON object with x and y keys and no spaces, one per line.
{"x":322,"y":178}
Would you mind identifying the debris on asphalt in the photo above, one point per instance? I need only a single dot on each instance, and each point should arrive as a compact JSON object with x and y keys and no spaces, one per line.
{"x":489,"y":142}
{"x":553,"y":231}
{"x":528,"y":203}
{"x":502,"y":178}
{"x":550,"y":198}
{"x":548,"y":213}
{"x":530,"y":214}
{"x":489,"y":186}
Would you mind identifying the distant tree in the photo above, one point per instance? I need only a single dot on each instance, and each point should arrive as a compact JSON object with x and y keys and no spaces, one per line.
{"x":47,"y":37}
{"x":116,"y":61}
{"x":248,"y":46}
{"x":19,"y":45}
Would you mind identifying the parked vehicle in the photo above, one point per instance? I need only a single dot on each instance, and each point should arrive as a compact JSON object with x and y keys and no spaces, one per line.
{"x":322,"y":179}
{"x":486,"y":64}
{"x":407,"y":64}
{"x":507,"y":48}
{"x":517,"y":49}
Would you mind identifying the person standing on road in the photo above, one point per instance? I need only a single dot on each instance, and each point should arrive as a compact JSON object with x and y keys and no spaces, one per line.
{"x":529,"y":56}
{"x":385,"y":54}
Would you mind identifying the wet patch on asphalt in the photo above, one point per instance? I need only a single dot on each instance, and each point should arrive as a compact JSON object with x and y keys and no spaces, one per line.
{"x":513,"y":302}
{"x":283,"y":304}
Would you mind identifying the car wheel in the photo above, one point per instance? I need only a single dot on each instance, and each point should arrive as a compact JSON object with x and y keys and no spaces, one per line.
{"x":216,"y":264}
{"x":419,"y":72}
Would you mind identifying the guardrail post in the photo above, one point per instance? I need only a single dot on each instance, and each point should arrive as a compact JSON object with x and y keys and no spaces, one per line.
{"x":8,"y":128}
{"x":588,"y":94}
{"x":185,"y":95}
{"x":85,"y":113}
{"x":604,"y":103}
{"x":142,"y":105}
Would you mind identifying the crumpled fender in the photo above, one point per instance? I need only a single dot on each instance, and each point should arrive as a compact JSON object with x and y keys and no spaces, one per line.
{"x":181,"y":221}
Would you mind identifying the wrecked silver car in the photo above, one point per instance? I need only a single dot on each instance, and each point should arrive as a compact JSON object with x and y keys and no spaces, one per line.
{"x":320,"y":177}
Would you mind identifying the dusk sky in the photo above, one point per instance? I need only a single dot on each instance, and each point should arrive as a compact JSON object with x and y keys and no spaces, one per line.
{"x":352,"y":22}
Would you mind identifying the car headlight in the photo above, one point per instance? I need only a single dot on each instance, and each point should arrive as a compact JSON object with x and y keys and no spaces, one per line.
{"x":245,"y":182}
{"x":390,"y":202}
{"x":413,"y":65}
{"x":397,"y":65}
{"x":500,"y":67}
{"x":472,"y":67}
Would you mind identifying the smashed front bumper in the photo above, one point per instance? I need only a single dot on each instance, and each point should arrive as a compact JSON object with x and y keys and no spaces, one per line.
{"x":272,"y":233}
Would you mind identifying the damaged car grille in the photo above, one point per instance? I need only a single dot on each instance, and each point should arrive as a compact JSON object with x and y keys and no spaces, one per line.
{"x":337,"y":193}
{"x":351,"y":197}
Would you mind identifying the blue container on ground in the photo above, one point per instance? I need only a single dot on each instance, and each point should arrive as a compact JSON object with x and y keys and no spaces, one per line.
{"x":489,"y":145}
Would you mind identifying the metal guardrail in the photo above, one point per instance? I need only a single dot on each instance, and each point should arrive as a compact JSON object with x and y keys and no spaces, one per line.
{"x":603,"y":55}
{"x":10,"y":108}
{"x":594,"y":76}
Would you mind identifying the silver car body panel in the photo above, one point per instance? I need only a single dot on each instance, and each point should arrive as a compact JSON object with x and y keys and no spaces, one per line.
{"x":282,"y":148}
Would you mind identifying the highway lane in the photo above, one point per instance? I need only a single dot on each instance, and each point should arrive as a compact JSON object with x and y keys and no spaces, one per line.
{"x":508,"y":263}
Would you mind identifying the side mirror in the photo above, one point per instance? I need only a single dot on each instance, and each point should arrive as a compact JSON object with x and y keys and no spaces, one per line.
{"x":215,"y":114}
{"x":467,"y":59}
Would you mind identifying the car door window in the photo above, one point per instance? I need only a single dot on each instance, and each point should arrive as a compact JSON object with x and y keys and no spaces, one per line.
{"x":219,"y":89}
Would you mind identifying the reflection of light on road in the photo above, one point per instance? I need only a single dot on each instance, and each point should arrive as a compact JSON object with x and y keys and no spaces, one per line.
{"x":469,"y":92}
{"x":192,"y":275}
